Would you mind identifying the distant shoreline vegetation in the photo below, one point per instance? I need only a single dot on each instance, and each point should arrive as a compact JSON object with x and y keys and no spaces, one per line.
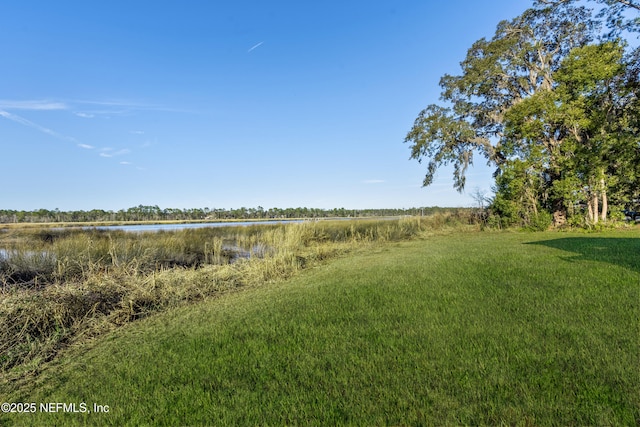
{"x":156,"y":214}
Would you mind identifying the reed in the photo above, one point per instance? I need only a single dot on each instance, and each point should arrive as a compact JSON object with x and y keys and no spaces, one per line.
{"x":61,"y":286}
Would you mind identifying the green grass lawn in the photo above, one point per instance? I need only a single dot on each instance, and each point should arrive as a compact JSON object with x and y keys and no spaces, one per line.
{"x":468,"y":328}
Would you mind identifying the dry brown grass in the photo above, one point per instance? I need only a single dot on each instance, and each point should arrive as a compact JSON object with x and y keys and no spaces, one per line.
{"x":92,"y":282}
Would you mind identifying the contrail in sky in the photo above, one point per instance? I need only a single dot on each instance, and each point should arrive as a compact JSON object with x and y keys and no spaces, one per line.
{"x":25,"y":122}
{"x":254,"y":47}
{"x":32,"y":105}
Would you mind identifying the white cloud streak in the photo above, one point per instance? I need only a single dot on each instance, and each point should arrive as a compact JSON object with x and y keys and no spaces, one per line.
{"x":32,"y":105}
{"x":122,"y":107}
{"x":91,"y":108}
{"x":255,"y":46}
{"x":109,"y":152}
{"x":29,"y":123}
{"x":76,"y":108}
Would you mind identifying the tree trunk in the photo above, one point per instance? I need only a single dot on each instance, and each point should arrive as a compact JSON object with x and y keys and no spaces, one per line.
{"x":605,"y":202}
{"x":557,"y":203}
{"x":595,"y":207}
{"x":559,"y":213}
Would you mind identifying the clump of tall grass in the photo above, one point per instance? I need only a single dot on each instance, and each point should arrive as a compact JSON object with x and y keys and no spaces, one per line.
{"x":89,"y":281}
{"x":25,"y":268}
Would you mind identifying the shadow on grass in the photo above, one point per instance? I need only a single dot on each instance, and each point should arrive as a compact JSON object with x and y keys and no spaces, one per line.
{"x":624,"y":252}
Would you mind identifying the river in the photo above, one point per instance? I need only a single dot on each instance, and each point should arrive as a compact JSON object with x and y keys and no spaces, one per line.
{"x":171,"y":227}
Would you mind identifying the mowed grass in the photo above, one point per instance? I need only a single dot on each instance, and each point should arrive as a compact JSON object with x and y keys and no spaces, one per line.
{"x":466,"y":328}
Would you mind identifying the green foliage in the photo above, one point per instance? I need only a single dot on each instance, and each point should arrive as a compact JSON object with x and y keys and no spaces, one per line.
{"x":616,"y":213}
{"x":590,"y":148}
{"x":517,"y":189}
{"x":540,"y":222}
{"x":620,"y":15}
{"x":497,"y":74}
{"x":554,"y":111}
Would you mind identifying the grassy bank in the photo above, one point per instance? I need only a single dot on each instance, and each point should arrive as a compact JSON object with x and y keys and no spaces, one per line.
{"x":465,"y":328}
{"x":61,"y":286}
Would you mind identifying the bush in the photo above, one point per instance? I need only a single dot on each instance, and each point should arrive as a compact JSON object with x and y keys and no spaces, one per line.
{"x":616,"y":213}
{"x":540,"y":222}
{"x":494,"y":222}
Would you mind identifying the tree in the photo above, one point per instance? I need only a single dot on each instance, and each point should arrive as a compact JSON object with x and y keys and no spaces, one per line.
{"x":557,"y":114}
{"x":620,"y":14}
{"x":622,"y":109}
{"x":517,"y":64}
{"x":588,"y":108}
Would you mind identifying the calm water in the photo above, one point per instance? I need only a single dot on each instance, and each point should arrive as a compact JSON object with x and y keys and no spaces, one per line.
{"x":167,"y":227}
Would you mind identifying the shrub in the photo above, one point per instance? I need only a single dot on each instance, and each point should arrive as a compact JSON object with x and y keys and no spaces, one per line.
{"x":540,"y":222}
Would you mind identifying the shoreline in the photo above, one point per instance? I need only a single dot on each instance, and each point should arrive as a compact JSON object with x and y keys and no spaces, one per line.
{"x":19,"y":225}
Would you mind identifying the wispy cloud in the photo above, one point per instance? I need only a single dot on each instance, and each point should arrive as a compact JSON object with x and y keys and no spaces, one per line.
{"x":87,"y":109}
{"x":33,"y":105}
{"x":121,"y":107}
{"x":80,"y":109}
{"x":109,"y":152}
{"x":255,"y":46}
{"x":29,"y":123}
{"x":112,"y":103}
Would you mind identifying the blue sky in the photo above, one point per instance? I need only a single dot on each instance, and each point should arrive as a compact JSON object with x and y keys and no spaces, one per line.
{"x":224,"y":104}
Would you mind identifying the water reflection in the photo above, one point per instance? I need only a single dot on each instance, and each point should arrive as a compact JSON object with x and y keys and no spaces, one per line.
{"x":172,"y":227}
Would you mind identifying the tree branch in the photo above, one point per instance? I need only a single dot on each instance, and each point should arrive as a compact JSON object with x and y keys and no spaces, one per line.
{"x":628,"y":3}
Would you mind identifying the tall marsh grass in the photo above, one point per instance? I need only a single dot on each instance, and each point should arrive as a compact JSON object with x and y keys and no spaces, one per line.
{"x":62,"y":286}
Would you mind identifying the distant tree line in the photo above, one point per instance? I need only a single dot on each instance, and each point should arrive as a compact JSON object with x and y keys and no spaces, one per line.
{"x":155,"y":213}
